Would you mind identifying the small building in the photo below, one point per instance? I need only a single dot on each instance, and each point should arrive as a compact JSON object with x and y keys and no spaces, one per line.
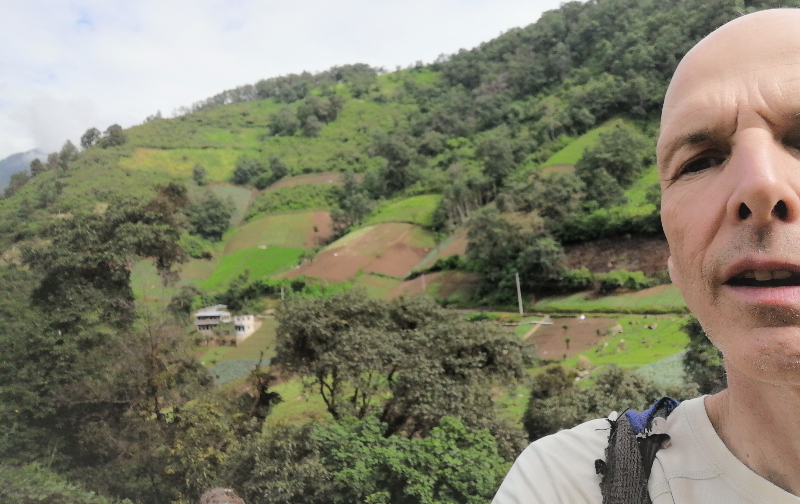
{"x":244,"y":326}
{"x":209,"y":318}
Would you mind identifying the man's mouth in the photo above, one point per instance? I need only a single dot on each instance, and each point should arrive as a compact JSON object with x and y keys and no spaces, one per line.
{"x":765,"y":278}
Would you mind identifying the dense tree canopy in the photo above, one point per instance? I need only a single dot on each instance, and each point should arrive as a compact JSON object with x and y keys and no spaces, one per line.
{"x":430,"y":363}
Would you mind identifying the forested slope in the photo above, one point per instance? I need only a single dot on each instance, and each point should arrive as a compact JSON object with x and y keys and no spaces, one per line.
{"x":515,"y":157}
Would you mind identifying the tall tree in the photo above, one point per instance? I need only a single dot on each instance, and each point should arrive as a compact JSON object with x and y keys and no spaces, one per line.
{"x":113,"y":137}
{"x":209,"y":217}
{"x":67,"y":155}
{"x":90,"y":137}
{"x":405,"y":360}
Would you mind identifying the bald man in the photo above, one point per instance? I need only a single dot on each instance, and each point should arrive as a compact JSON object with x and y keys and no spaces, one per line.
{"x":729,"y":164}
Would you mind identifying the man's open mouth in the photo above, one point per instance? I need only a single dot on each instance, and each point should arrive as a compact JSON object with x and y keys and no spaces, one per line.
{"x":774,"y":278}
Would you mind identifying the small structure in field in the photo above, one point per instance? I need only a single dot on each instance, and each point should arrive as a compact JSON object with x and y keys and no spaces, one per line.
{"x":245,"y":325}
{"x":209,"y":318}
{"x":218,"y":325}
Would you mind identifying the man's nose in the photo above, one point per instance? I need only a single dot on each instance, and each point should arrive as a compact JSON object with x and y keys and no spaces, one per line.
{"x":766,"y":178}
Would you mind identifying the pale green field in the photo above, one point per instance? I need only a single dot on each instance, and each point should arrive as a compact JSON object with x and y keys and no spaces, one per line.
{"x":416,"y":210}
{"x":661,"y":299}
{"x":259,"y":262}
{"x":376,"y":286}
{"x":287,"y":230}
{"x":570,"y":154}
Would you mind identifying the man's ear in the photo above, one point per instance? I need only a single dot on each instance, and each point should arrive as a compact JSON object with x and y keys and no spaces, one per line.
{"x":672,"y":273}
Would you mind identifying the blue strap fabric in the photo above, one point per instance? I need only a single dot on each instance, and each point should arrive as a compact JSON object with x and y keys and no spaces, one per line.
{"x":642,"y":421}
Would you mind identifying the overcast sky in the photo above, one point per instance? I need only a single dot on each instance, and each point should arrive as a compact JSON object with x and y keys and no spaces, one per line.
{"x":68,"y":65}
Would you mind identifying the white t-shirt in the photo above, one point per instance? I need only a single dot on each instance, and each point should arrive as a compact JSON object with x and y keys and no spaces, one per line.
{"x":696,"y":467}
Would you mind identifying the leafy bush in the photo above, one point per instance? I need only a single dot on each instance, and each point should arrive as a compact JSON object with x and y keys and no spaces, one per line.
{"x":557,"y":403}
{"x":34,"y":484}
{"x":622,"y":279}
{"x":702,"y":362}
{"x":608,"y":223}
{"x":196,"y":247}
{"x":576,"y":279}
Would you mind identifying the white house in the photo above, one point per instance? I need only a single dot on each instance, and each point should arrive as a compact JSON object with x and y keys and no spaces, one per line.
{"x":208,"y":318}
{"x":245,"y":325}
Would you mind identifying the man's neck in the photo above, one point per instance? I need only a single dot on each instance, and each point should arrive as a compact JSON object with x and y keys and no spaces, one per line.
{"x":759,"y":423}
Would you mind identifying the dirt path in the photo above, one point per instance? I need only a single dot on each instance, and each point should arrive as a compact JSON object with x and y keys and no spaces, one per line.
{"x":536,"y":326}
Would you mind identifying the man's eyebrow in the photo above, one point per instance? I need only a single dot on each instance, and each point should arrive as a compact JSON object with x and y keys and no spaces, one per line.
{"x":693,"y":138}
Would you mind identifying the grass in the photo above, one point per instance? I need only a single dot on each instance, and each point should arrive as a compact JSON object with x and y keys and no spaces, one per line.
{"x":287,"y":230}
{"x":376,"y":286}
{"x":217,"y":136}
{"x":637,"y":193}
{"x":295,"y":197}
{"x":259,"y":262}
{"x":263,"y":340}
{"x":298,"y":404}
{"x":661,"y":299}
{"x":667,"y":372}
{"x":147,"y":285}
{"x":214,"y":354}
{"x":637,"y":345}
{"x":415,"y":210}
{"x":570,"y":154}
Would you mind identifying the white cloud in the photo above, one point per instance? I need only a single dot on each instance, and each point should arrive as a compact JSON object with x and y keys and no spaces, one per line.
{"x":68,"y":66}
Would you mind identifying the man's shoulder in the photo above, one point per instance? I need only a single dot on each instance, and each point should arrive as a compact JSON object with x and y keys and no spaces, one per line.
{"x":559,"y":467}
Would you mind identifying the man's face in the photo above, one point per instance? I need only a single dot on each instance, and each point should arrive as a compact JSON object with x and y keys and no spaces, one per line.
{"x":729,"y":163}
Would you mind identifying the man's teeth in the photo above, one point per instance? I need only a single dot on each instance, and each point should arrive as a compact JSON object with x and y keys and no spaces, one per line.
{"x":763,"y":276}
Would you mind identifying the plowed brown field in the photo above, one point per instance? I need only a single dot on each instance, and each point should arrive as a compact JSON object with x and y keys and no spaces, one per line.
{"x":388,"y":249}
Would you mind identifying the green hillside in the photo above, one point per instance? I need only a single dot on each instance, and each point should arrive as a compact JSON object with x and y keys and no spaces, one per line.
{"x":322,"y":204}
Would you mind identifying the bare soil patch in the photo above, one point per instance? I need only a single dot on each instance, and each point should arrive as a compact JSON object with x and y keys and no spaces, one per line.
{"x":311,"y":178}
{"x":551,"y":342}
{"x":452,"y":282}
{"x":456,"y":246}
{"x":322,"y":222}
{"x":397,"y":261}
{"x":636,"y":253}
{"x":410,"y":287}
{"x":332,"y":265}
{"x":383,"y":249}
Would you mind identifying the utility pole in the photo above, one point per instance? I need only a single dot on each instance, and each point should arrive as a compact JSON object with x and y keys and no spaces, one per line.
{"x":519,"y":295}
{"x":424,"y":287}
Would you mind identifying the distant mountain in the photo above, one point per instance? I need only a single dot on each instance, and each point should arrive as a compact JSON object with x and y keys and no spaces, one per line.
{"x":17,"y":162}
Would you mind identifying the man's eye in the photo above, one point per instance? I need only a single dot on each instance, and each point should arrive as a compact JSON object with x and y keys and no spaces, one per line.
{"x":702,"y":163}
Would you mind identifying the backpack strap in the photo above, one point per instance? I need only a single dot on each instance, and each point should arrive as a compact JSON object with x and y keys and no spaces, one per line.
{"x":633,"y":442}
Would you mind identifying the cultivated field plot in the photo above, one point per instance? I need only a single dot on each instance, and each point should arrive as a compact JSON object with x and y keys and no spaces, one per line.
{"x":551,"y":340}
{"x":659,"y":299}
{"x":644,"y":339}
{"x":638,"y":253}
{"x":415,"y":210}
{"x":570,"y":154}
{"x":454,"y":286}
{"x":308,"y":179}
{"x":294,"y":230}
{"x":391,"y":249}
{"x":259,"y":262}
{"x":147,"y":285}
{"x":219,"y":163}
{"x":376,"y":286}
{"x":197,"y":269}
{"x":455,"y":244}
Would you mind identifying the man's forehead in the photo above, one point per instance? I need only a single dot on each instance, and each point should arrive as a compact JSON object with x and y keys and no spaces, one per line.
{"x":752,"y":62}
